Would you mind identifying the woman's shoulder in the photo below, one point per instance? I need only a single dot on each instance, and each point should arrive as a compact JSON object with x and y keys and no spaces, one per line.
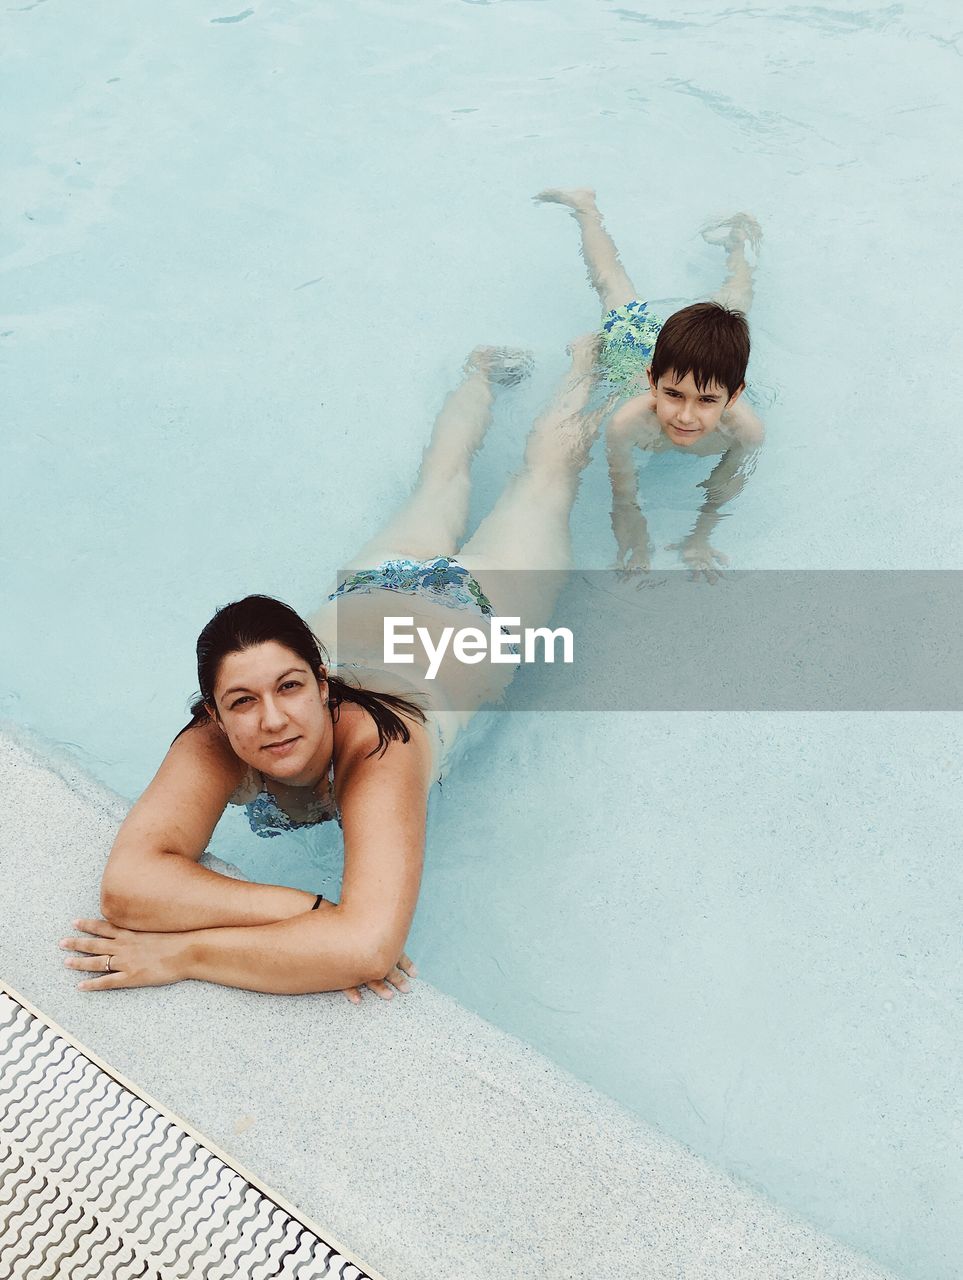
{"x":356,"y":735}
{"x":355,"y":732}
{"x":204,"y":750}
{"x":186,"y":796}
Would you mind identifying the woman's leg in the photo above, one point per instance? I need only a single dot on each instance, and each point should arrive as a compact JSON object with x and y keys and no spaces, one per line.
{"x":609,"y":278}
{"x":732,"y":234}
{"x":433,"y":519}
{"x":528,"y":528}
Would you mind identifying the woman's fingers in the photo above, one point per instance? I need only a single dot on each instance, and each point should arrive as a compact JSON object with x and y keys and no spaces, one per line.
{"x":397,"y":977}
{"x":100,"y":927}
{"x":107,"y":982}
{"x":91,"y":946}
{"x":95,"y":964}
{"x":381,"y":989}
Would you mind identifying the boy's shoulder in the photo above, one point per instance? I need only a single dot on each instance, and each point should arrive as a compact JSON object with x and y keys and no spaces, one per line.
{"x":742,"y":425}
{"x":635,"y":421}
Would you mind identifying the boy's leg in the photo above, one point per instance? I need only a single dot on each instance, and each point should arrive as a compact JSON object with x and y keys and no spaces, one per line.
{"x":605,"y":269}
{"x":733,"y":234}
{"x":433,"y":519}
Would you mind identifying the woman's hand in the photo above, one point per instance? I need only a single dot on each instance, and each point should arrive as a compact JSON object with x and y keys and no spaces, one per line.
{"x":396,"y":977}
{"x":136,"y":959}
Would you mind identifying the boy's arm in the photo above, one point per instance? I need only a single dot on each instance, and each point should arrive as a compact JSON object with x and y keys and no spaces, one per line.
{"x":628,"y":427}
{"x":728,"y":477}
{"x":743,"y":425}
{"x":725,"y":482}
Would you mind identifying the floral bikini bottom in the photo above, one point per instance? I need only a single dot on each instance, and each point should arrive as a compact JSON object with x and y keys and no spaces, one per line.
{"x":440,"y":581}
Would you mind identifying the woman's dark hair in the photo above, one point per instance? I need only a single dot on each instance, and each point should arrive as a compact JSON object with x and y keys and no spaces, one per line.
{"x":259,"y":619}
{"x":709,"y":341}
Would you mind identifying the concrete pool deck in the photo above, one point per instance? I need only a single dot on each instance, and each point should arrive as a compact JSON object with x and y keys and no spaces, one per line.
{"x":425,"y":1139}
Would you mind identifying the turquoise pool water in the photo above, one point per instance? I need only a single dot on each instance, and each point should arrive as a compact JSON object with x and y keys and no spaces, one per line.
{"x":244,"y":257}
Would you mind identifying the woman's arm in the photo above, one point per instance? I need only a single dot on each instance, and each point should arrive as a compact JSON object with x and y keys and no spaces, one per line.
{"x":383,"y":801}
{"x":153,"y":881}
{"x":311,"y":953}
{"x":359,"y":940}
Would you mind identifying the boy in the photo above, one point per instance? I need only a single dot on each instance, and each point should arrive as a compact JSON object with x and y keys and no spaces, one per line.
{"x":695,"y":365}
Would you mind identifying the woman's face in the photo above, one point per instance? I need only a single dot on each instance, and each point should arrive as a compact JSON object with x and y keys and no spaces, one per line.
{"x":274,"y":712}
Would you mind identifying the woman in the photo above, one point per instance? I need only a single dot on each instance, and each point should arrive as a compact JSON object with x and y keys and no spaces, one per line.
{"x":278,"y":730}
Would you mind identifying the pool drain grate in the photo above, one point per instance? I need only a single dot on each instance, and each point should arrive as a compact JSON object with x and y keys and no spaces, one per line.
{"x":98,"y":1183}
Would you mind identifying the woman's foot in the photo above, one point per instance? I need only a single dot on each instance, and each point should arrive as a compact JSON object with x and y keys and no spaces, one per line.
{"x":505,"y":366}
{"x":578,"y":199}
{"x":585,"y":352}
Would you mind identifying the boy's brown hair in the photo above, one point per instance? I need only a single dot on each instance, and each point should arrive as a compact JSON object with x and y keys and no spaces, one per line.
{"x":707,"y":340}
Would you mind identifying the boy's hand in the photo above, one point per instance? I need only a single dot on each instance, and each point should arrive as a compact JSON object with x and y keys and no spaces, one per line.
{"x":701,"y":558}
{"x":632,"y":536}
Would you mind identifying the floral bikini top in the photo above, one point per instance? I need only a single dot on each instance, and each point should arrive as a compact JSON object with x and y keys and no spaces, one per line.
{"x":268,"y":818}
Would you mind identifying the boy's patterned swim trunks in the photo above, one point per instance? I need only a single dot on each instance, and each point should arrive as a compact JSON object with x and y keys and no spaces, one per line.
{"x":629,"y":334}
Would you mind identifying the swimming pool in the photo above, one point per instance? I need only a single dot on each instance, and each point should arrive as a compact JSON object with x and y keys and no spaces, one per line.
{"x":246,"y":257}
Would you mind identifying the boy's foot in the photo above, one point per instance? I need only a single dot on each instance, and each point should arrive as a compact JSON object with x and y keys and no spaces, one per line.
{"x":734,"y":232}
{"x":505,"y":366}
{"x":580,"y":199}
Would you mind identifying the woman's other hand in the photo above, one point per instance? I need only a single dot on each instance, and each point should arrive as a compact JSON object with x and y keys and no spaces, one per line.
{"x":396,"y":977}
{"x":136,"y":959}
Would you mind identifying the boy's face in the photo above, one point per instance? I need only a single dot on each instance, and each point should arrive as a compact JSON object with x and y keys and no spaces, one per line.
{"x":685,"y":413}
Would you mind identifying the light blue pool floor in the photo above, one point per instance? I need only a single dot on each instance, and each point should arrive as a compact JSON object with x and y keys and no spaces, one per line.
{"x":425,"y":1139}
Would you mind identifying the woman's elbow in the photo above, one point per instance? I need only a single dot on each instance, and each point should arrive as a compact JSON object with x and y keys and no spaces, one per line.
{"x":368,"y":956}
{"x":118,"y":905}
{"x":120,"y":900}
{"x":381,"y":959}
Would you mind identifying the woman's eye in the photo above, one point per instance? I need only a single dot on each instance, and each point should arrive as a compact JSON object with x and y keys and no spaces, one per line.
{"x":239,"y":701}
{"x":291,"y":684}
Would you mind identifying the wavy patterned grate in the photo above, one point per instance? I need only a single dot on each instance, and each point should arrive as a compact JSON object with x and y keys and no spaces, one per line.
{"x":96,"y":1183}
